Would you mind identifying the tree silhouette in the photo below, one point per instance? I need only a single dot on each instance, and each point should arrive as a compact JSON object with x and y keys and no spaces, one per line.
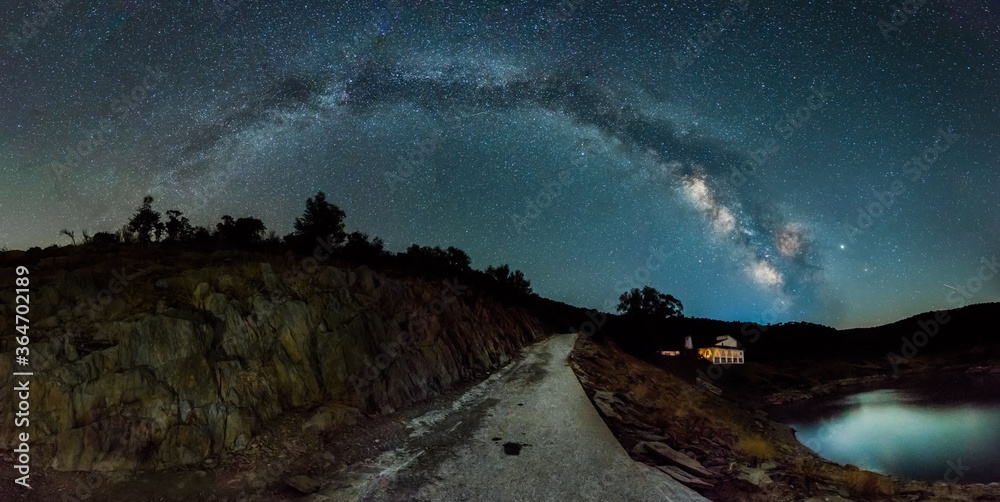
{"x":145,"y":222}
{"x":513,"y":280}
{"x":201,"y":235}
{"x":648,"y":302}
{"x":69,"y":233}
{"x":178,"y":227}
{"x":243,"y":232}
{"x":458,"y":259}
{"x":105,"y":238}
{"x":322,"y":220}
{"x":359,"y":248}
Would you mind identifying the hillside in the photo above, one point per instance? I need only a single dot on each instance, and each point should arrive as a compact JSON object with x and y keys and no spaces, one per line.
{"x":156,"y":359}
{"x":800,"y":355}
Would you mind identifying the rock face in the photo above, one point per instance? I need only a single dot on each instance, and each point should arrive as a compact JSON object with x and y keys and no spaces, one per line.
{"x":171,"y":382}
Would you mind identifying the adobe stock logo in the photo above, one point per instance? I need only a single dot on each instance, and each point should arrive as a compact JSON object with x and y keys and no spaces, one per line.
{"x":92,"y":139}
{"x":962,"y":293}
{"x":915,"y":168}
{"x":929,"y":328}
{"x":785,"y":128}
{"x":225,"y":7}
{"x":955,"y":471}
{"x":32,"y":24}
{"x":553,"y":189}
{"x":902,"y":12}
{"x":709,"y":33}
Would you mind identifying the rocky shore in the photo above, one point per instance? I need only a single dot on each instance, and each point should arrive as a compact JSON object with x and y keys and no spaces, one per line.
{"x":726,"y":450}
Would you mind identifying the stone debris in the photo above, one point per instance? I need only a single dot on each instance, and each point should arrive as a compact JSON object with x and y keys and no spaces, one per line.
{"x":603,"y":402}
{"x":673,"y":457}
{"x":302,"y":483}
{"x":683,"y":477}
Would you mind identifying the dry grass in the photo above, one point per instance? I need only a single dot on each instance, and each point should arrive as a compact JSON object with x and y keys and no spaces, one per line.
{"x":183,"y":291}
{"x":755,"y":449}
{"x":300,"y":285}
{"x":243,"y":283}
{"x":867,"y":484}
{"x":240,"y":282}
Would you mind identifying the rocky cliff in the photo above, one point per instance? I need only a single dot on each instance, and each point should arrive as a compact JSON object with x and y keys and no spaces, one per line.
{"x":142,"y":362}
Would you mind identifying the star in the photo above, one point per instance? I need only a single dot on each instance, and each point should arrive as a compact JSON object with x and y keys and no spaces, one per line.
{"x":566,"y":139}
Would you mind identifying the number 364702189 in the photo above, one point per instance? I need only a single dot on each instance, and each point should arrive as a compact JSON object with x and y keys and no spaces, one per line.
{"x":21,"y":302}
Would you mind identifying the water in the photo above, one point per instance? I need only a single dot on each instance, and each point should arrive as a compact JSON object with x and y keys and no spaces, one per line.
{"x":946,"y":428}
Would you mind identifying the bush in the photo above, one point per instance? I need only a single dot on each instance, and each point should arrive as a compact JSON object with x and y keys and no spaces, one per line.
{"x":867,"y":484}
{"x":105,"y":238}
{"x":509,"y":281}
{"x":756,"y":449}
{"x":242,"y":232}
{"x":359,"y":249}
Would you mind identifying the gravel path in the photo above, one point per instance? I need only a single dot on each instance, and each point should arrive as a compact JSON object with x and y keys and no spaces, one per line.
{"x":528,"y":432}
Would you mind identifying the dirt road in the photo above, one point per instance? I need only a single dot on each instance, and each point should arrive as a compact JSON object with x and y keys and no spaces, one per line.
{"x":526,"y":433}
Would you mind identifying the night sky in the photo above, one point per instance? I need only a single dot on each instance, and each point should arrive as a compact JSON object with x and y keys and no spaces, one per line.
{"x":832,"y":162}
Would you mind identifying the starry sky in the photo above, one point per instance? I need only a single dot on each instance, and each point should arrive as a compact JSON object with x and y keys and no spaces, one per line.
{"x":833,"y":162}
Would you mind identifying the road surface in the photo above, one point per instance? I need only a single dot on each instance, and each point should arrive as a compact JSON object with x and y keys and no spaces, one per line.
{"x":534,"y":407}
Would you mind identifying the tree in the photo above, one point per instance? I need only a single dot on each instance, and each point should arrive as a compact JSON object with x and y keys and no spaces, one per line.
{"x":322,"y":220}
{"x":226,"y":229}
{"x":201,"y":235}
{"x":244,"y":232}
{"x":458,"y":259}
{"x":426,"y":258}
{"x":105,"y":238}
{"x":178,"y":227}
{"x":359,"y":248}
{"x":69,"y":233}
{"x":435,"y":259}
{"x":648,"y":302}
{"x":513,"y":280}
{"x":126,"y":235}
{"x":272,"y":238}
{"x":145,"y":222}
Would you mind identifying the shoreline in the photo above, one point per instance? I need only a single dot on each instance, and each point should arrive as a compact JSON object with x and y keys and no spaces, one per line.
{"x":751,"y":457}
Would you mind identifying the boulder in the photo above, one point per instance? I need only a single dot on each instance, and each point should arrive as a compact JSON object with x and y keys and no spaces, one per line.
{"x":331,"y":417}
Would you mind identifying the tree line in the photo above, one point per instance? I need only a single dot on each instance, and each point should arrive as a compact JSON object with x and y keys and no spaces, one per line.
{"x":322,"y":222}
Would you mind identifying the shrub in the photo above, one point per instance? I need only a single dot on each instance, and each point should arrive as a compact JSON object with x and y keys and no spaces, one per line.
{"x":105,"y":238}
{"x":756,"y":449}
{"x":243,"y":284}
{"x":867,"y":484}
{"x":509,"y":281}
{"x":241,"y":232}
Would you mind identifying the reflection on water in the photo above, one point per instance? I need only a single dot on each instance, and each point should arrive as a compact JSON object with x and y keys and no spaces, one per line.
{"x":909,"y":433}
